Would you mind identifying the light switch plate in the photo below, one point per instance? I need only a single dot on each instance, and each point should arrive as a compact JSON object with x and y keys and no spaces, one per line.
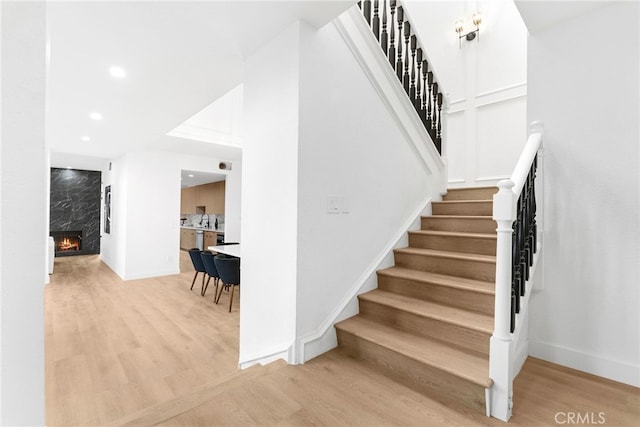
{"x":334,"y":204}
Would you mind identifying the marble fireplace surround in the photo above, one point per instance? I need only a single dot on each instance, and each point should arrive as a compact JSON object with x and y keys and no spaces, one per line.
{"x":75,"y":205}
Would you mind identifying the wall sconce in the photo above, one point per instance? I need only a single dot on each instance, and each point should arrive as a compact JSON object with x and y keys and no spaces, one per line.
{"x":476,"y":19}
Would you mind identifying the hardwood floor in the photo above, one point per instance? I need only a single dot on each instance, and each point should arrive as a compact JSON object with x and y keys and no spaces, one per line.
{"x":115,"y":347}
{"x":152,"y":352}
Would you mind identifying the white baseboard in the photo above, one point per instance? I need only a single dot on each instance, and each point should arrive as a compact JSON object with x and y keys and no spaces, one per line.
{"x":265,"y":360}
{"x":150,"y":275}
{"x":596,"y":365}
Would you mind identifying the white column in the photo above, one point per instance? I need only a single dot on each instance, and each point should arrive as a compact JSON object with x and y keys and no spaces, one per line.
{"x":23,"y":207}
{"x":500,"y":350}
{"x":270,"y":199}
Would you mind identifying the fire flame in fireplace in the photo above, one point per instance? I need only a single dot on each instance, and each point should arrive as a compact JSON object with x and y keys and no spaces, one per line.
{"x":68,"y":245}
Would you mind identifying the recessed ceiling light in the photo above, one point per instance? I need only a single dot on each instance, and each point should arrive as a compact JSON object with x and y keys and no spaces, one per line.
{"x":117,"y":72}
{"x":85,"y":138}
{"x":96,"y":116}
{"x":190,"y":175}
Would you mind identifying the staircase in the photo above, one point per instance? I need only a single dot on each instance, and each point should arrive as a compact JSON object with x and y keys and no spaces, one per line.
{"x":429,"y":322}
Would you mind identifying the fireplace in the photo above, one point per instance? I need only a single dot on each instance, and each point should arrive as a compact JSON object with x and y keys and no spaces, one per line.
{"x":67,"y":242}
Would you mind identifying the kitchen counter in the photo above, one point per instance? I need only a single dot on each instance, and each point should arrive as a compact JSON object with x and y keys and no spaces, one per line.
{"x":202,"y":228}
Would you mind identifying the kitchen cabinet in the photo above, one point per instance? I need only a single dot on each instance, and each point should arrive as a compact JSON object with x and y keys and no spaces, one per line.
{"x":218,"y":195}
{"x":187,"y":238}
{"x":188,"y":200}
{"x":210,"y":239}
{"x":211,"y":196}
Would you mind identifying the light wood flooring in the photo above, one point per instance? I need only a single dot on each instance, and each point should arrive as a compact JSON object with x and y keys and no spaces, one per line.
{"x":152,"y":352}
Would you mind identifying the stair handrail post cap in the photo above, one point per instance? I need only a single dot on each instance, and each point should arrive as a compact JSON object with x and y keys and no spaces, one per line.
{"x":446,"y":101}
{"x":536,"y":126}
{"x":504,"y":202}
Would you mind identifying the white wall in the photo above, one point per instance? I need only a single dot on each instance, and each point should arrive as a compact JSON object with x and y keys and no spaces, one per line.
{"x":585,"y":90}
{"x":233,"y":203}
{"x":351,"y":147}
{"x":486,"y":82}
{"x":23,"y":182}
{"x":269,"y":198}
{"x":145,"y":199}
{"x":316,"y":127}
{"x":153,"y":212}
{"x":112,"y":245}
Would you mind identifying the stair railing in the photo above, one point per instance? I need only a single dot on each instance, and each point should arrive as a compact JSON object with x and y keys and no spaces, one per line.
{"x":409,"y":60}
{"x":514,"y":210}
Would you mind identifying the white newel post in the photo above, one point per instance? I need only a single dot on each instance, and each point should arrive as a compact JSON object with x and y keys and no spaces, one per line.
{"x":443,"y":141}
{"x":500,"y":364}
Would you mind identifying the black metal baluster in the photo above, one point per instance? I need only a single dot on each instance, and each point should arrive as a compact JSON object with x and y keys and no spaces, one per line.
{"x":524,"y":258}
{"x":527,"y":227}
{"x":400,"y":16}
{"x":366,"y":11}
{"x":412,"y":85}
{"x":516,"y":254}
{"x":439,"y":127}
{"x":514,"y":300}
{"x":417,"y":102}
{"x":429,"y":110}
{"x":524,"y":261}
{"x":534,"y":225}
{"x":375,"y":27}
{"x":532,"y":207}
{"x":425,"y":93}
{"x":384,"y":36}
{"x":520,"y":254}
{"x":405,"y":75}
{"x":515,"y":289}
{"x":434,"y":111}
{"x":392,"y":25}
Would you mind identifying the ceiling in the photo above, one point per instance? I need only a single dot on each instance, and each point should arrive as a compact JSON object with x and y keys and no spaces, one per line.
{"x":179,"y":57}
{"x":193,"y":178}
{"x":538,"y":15}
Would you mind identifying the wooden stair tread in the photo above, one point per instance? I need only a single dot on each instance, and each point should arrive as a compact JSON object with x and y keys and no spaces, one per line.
{"x":446,"y":254}
{"x":455,"y":234}
{"x":473,"y":217}
{"x":484,"y":187}
{"x":440,"y":279}
{"x":467,"y":319}
{"x":470,"y":193}
{"x":455,"y":361}
{"x":455,"y":202}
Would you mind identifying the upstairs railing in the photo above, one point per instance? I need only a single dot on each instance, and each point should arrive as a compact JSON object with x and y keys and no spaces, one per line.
{"x":514,"y":210}
{"x":408,"y":59}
